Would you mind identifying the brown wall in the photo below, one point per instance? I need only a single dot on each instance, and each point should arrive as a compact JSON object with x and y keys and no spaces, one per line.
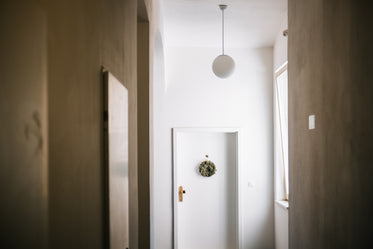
{"x":330,"y":65}
{"x":23,"y":118}
{"x":83,"y":36}
{"x":143,"y":133}
{"x":53,"y":51}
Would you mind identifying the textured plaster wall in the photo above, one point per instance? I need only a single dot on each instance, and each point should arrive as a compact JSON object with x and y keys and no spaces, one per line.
{"x":23,"y":118}
{"x":51,"y":137}
{"x":143,"y":132}
{"x":83,"y":36}
{"x":330,"y":65}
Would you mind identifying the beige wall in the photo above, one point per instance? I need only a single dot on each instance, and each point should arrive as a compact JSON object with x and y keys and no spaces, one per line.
{"x":330,"y":64}
{"x":54,"y":51}
{"x":83,"y":36}
{"x":143,"y":133}
{"x":23,"y":133}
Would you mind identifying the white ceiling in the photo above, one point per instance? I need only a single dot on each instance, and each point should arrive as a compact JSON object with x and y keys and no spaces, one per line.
{"x":197,"y":23}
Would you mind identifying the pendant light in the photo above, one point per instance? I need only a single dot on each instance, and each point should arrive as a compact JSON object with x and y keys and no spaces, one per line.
{"x":223,"y":65}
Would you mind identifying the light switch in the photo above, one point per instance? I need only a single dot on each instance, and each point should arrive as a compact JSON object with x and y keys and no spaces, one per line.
{"x":311,"y":122}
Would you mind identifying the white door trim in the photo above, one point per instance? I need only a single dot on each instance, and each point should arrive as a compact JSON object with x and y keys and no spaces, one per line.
{"x":176,"y":131}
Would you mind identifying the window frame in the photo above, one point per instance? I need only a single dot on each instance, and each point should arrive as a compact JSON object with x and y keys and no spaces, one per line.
{"x":278,"y":125}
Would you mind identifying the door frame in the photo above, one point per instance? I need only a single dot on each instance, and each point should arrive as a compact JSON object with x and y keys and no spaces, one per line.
{"x":175,"y":132}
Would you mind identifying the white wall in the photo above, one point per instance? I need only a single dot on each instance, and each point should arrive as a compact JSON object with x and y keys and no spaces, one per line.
{"x":156,"y":84}
{"x":192,"y":96}
{"x":281,"y":213}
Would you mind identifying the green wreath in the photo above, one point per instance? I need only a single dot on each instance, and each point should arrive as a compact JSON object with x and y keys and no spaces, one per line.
{"x":207,"y":168}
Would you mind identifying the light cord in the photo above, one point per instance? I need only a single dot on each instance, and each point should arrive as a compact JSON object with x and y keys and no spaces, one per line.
{"x":222,"y":28}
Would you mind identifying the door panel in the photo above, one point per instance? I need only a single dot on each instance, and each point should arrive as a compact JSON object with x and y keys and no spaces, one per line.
{"x":207,"y":216}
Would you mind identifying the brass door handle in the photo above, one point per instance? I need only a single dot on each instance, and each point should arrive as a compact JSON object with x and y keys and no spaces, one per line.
{"x":181,"y":193}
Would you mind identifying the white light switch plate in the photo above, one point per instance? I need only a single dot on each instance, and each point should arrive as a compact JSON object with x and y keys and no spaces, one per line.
{"x":311,"y":122}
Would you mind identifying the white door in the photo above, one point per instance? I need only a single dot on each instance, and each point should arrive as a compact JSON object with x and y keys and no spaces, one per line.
{"x":206,"y":218}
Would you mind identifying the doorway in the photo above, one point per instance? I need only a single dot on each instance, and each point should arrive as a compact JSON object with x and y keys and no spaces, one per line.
{"x":206,"y":215}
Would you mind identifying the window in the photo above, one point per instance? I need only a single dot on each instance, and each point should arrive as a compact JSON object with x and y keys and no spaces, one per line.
{"x":281,"y":134}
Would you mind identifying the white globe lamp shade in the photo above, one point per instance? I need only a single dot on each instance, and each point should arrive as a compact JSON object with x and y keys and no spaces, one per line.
{"x":223,"y":66}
